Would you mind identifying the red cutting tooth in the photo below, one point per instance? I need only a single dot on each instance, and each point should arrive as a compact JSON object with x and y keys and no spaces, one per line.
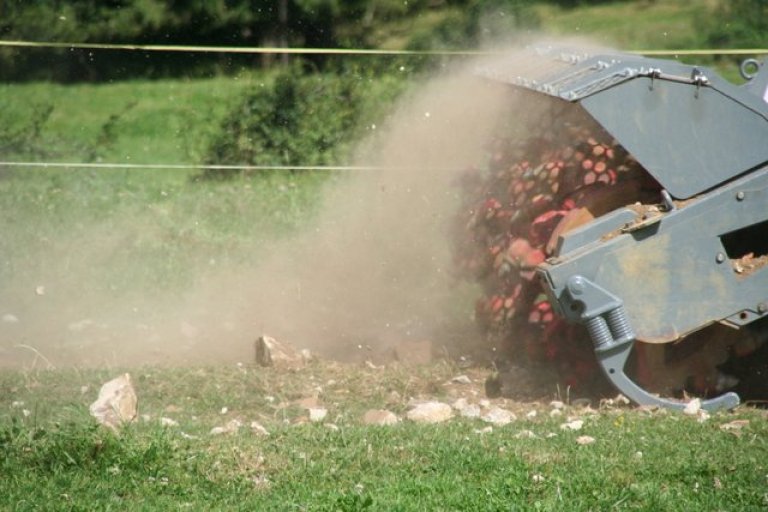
{"x":587,"y":164}
{"x":534,"y":257}
{"x":598,"y":150}
{"x":518,"y":248}
{"x":589,"y":178}
{"x":600,"y":167}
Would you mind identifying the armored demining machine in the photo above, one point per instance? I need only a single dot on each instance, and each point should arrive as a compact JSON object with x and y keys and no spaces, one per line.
{"x":640,"y":210}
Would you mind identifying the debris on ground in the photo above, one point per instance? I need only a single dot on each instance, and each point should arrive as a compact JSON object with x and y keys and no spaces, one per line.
{"x":380,"y":417}
{"x":430,"y":412}
{"x":271,"y":352}
{"x":117,"y":403}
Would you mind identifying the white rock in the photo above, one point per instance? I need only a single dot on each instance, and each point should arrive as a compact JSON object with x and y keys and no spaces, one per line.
{"x":461,"y":379}
{"x":471,"y":411}
{"x":498,"y":416}
{"x":582,"y":440}
{"x":557,"y":404}
{"x":258,"y":428}
{"x":231,"y":427}
{"x":10,"y":318}
{"x":531,"y":414}
{"x":317,"y":414}
{"x":555,"y":413}
{"x":169,"y":422}
{"x":270,"y":352}
{"x":380,"y":417}
{"x":17,"y":403}
{"x":572,"y":425}
{"x":117,"y":403}
{"x":525,"y":434}
{"x":332,"y":427}
{"x":430,"y":412}
{"x":537,"y":478}
{"x":460,"y":404}
{"x":485,"y":430}
{"x":693,"y":407}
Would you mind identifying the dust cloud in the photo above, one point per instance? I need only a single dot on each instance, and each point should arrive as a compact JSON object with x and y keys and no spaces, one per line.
{"x":373,"y":269}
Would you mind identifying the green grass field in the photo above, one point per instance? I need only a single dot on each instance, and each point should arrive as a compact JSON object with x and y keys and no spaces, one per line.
{"x":55,"y":458}
{"x":137,"y":231}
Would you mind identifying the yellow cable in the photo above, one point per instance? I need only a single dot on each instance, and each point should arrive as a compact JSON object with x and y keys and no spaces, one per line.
{"x":332,"y":51}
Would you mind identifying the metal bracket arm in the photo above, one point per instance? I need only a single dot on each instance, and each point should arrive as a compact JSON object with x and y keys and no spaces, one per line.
{"x":606,"y":320}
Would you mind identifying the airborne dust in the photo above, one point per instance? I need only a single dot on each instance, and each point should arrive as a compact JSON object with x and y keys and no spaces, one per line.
{"x":373,"y":269}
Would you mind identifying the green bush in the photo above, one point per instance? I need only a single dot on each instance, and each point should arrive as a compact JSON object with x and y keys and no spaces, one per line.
{"x":301,"y":120}
{"x":737,"y":24}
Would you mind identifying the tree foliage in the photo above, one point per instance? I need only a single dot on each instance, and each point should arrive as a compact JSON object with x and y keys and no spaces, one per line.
{"x":301,"y":119}
{"x":299,"y":23}
{"x":738,"y":24}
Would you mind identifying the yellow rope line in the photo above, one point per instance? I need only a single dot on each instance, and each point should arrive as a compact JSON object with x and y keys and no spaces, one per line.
{"x":201,"y":167}
{"x":333,"y":51}
{"x":234,"y":49}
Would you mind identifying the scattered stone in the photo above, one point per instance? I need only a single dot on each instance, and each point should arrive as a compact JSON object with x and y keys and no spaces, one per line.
{"x":117,"y":403}
{"x":17,"y":403}
{"x":224,"y":410}
{"x":168,"y":422}
{"x":525,"y":434}
{"x":430,"y":412}
{"x":460,"y":404}
{"x":572,"y":425}
{"x":258,"y":429}
{"x":498,"y":416}
{"x":582,"y":402}
{"x":486,"y":430}
{"x":414,"y":353}
{"x":270,"y":352}
{"x":40,"y":290}
{"x":10,"y":318}
{"x":84,"y":389}
{"x":485,"y":403}
{"x":331,"y":426}
{"x":471,"y":411}
{"x":557,"y":404}
{"x":317,"y":414}
{"x":555,"y":413}
{"x":734,"y":427}
{"x":380,"y":417}
{"x":531,"y":414}
{"x":538,"y":478}
{"x":584,"y":440}
{"x":693,"y":407}
{"x":461,"y":379}
{"x":231,"y":427}
{"x":638,"y":455}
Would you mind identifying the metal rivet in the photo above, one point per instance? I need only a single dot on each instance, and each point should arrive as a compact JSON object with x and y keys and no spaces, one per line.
{"x":720,"y":257}
{"x":739,"y":196}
